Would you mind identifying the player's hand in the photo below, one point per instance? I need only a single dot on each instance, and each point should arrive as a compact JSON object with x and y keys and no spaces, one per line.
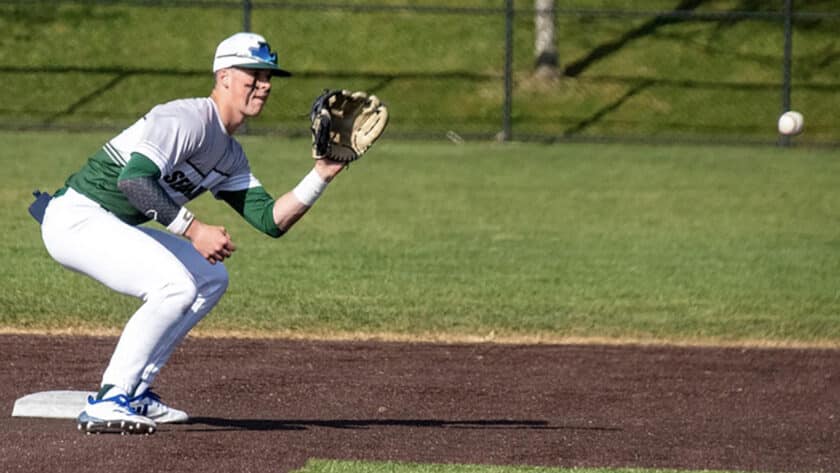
{"x":212,"y":242}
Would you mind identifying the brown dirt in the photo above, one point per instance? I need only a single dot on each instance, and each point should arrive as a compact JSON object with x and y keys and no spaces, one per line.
{"x":270,"y":405}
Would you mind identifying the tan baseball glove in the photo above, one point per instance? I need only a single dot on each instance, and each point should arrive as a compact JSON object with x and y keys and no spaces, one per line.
{"x":345,"y":124}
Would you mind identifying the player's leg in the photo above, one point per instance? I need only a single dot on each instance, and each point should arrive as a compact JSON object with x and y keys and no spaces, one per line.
{"x":211,"y":281}
{"x":82,"y":236}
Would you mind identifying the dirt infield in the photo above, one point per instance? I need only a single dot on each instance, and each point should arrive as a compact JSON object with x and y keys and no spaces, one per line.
{"x":270,"y":405}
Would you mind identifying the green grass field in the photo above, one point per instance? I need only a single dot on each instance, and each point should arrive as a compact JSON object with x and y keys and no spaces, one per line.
{"x":518,"y":241}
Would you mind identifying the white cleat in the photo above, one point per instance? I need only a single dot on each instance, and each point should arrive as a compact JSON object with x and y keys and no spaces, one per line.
{"x":148,"y":404}
{"x":113,"y":415}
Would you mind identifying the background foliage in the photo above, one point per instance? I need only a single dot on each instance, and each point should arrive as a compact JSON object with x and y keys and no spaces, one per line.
{"x":629,"y":72}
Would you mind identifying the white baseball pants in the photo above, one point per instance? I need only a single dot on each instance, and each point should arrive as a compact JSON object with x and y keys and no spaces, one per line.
{"x":177,"y":285}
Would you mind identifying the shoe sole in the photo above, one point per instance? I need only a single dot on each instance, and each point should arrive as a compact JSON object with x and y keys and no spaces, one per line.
{"x":169,"y":420}
{"x":171,"y":416}
{"x":92,"y":425}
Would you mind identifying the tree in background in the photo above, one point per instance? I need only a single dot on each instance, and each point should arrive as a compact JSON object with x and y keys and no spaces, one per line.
{"x":544,"y":44}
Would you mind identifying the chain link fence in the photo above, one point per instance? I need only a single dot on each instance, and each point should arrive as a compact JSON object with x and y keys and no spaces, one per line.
{"x":656,"y":70}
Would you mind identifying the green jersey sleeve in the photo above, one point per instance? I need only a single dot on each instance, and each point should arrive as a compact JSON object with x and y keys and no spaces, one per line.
{"x":139,"y":166}
{"x":256,"y":206}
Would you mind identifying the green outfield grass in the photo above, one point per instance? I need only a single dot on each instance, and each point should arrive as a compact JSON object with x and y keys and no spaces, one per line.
{"x":713,"y":244}
{"x":334,"y":466}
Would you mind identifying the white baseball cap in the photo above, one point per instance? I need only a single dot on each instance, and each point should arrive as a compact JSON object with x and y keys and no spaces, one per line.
{"x":248,"y":51}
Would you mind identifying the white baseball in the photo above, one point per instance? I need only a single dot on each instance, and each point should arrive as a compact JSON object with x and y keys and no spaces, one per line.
{"x":791,"y":123}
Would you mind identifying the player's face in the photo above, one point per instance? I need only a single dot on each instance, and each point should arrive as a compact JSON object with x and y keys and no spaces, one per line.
{"x":251,"y":88}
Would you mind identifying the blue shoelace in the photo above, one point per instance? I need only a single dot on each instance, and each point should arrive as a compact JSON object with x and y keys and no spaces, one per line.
{"x":120,"y":400}
{"x":146,"y":394}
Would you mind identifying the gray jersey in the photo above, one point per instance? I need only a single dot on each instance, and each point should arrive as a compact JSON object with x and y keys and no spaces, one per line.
{"x":188,"y":143}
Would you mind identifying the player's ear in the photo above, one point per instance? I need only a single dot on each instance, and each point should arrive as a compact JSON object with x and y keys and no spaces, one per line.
{"x":223,"y":78}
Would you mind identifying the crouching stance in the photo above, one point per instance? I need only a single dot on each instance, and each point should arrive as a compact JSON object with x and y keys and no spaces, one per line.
{"x":147,"y":172}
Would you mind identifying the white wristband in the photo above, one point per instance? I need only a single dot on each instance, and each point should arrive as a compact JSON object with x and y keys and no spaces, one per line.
{"x":310,"y":188}
{"x":182,"y":221}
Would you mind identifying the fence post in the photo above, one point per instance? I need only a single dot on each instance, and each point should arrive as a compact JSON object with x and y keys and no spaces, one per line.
{"x":508,"y":72}
{"x":246,"y":15}
{"x":784,"y":140}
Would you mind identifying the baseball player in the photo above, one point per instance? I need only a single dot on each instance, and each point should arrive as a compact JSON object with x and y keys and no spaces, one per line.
{"x":149,"y":171}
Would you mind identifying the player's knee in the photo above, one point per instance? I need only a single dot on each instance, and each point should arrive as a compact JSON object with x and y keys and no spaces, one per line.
{"x":217,"y":281}
{"x":178,"y":292}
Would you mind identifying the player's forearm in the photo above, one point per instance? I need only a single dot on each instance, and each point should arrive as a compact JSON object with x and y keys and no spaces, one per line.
{"x":291,"y":206}
{"x":288,"y":210}
{"x":146,"y":195}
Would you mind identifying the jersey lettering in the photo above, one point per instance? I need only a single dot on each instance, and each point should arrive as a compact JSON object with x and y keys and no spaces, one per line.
{"x":169,"y":179}
{"x":179,"y":182}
